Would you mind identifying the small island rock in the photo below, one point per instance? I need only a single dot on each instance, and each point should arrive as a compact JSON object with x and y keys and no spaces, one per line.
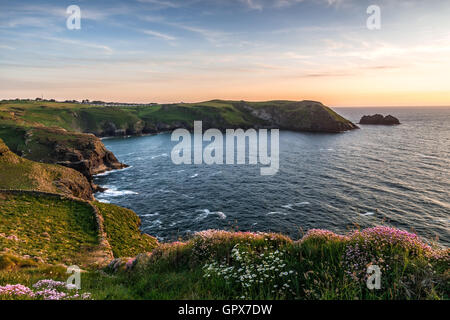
{"x":379,"y":119}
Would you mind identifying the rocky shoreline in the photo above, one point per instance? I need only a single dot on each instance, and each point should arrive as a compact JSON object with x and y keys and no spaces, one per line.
{"x":74,"y":141}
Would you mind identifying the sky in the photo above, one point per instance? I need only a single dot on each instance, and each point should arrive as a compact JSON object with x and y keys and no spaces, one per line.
{"x":196,"y":50}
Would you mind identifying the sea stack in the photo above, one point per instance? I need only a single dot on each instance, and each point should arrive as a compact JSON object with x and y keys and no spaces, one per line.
{"x":380,"y":120}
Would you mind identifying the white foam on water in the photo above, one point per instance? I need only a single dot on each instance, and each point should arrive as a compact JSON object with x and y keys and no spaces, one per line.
{"x":157,"y":223}
{"x":111,"y":171}
{"x":113,"y":192}
{"x":205,"y":213}
{"x":221,"y":215}
{"x":304,"y":203}
{"x":291,"y":206}
{"x":194,"y":175}
{"x":160,"y":155}
{"x":366,"y":214}
{"x":150,"y":214}
{"x":276,"y":212}
{"x":215,"y":173}
{"x":103,"y":201}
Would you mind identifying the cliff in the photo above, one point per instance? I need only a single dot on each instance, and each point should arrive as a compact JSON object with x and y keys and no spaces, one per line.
{"x":67,"y":134}
{"x":82,"y":152}
{"x":23,"y":174}
{"x":298,"y":116}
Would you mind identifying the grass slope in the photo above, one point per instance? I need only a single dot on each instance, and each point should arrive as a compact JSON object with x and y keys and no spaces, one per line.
{"x":122,"y":229}
{"x":55,"y":230}
{"x":22,"y":174}
{"x":63,"y":230}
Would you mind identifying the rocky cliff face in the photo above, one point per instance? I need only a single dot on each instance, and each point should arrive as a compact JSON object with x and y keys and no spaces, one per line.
{"x":379,"y":119}
{"x":299,"y":116}
{"x":23,"y":174}
{"x":82,"y":152}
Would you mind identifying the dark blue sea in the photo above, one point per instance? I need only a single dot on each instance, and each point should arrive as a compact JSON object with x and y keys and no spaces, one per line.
{"x":378,"y":175}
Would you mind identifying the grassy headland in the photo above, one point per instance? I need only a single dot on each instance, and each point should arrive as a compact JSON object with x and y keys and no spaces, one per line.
{"x":67,"y":133}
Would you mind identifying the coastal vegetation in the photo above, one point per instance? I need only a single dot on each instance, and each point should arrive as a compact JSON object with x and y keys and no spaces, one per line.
{"x":241,"y":265}
{"x":50,"y":221}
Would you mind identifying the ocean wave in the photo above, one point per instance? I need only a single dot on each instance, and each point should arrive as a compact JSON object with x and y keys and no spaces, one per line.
{"x":160,"y":155}
{"x":114,"y":192}
{"x":111,"y":171}
{"x":367,"y":214}
{"x":205,"y":213}
{"x":276,"y":213}
{"x":150,"y":214}
{"x":327,"y":149}
{"x":194,"y":175}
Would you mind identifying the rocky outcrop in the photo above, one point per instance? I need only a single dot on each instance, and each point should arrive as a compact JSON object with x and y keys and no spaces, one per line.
{"x":379,"y":120}
{"x":17,"y":172}
{"x":89,"y":156}
{"x":83,"y":152}
{"x":309,"y":116}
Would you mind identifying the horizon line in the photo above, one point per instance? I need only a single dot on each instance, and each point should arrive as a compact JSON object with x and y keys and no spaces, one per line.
{"x":203,"y":101}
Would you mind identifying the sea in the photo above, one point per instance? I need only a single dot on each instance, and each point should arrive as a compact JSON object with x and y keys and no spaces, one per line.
{"x":397,"y":176}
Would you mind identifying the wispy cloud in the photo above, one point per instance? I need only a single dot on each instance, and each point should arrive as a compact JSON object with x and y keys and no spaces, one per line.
{"x":159,"y":35}
{"x":163,"y":3}
{"x":105,"y":48}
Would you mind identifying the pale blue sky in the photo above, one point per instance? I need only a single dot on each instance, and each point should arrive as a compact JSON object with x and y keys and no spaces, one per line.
{"x":168,"y":51}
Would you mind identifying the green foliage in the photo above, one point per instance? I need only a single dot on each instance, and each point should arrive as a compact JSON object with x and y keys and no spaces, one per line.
{"x":317,"y":268}
{"x":122,"y":228}
{"x":315,"y":265}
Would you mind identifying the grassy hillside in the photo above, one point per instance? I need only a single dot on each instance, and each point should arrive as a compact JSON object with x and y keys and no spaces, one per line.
{"x":63,"y":230}
{"x":104,"y":121}
{"x":50,"y":229}
{"x":23,"y":174}
{"x":242,"y":265}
